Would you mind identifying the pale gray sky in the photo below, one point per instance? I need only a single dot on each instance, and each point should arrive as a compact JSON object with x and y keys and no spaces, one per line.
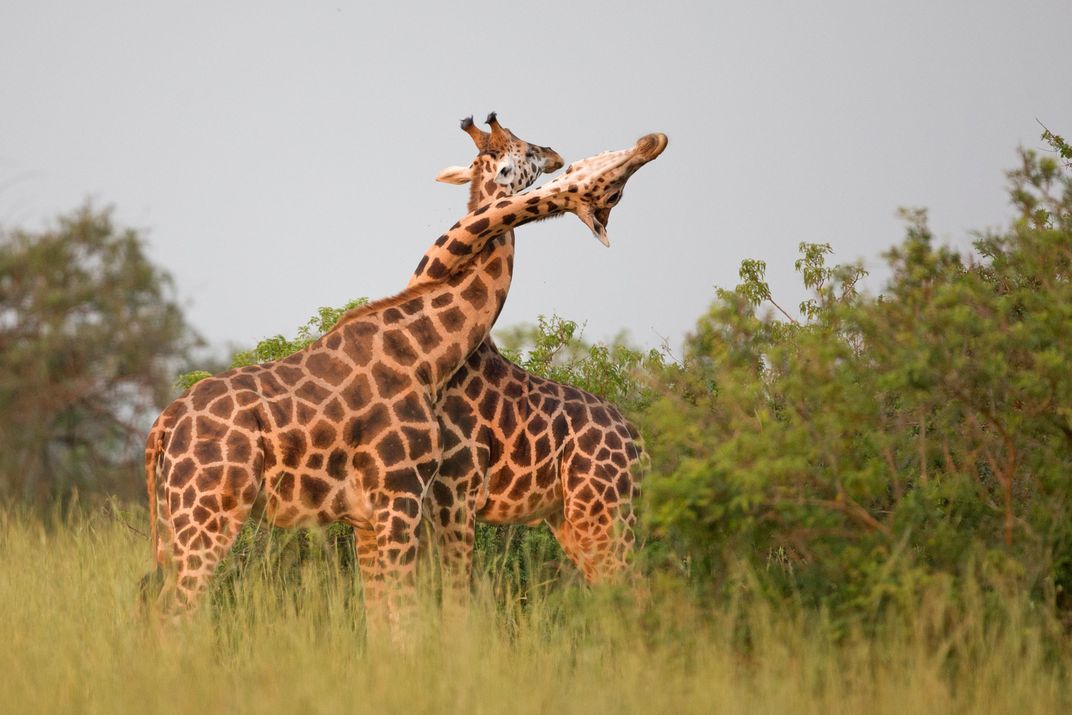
{"x":281,"y":155}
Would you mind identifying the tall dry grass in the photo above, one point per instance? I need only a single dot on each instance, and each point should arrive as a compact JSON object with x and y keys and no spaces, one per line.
{"x":293,"y":640}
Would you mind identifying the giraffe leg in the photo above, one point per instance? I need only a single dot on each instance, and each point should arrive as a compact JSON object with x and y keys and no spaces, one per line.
{"x":450,"y":508}
{"x":456,"y":548}
{"x":594,"y":553}
{"x":368,"y":562}
{"x":455,"y":533}
{"x":200,"y":510}
{"x":203,"y":480}
{"x":596,"y":531}
{"x":397,"y":541}
{"x":394,"y":532}
{"x":197,"y":540}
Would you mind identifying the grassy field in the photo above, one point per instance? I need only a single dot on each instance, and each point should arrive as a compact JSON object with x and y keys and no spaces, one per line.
{"x":74,"y":641}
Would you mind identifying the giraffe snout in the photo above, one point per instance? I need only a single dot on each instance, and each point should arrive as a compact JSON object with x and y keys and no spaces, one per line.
{"x":650,"y":146}
{"x":552,"y":161}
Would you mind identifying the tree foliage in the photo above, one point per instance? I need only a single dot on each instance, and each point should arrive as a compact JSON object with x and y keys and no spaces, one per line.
{"x":90,"y":335}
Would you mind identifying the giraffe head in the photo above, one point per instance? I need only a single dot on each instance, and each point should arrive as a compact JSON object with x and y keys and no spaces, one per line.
{"x":505,"y":164}
{"x":593,"y":186}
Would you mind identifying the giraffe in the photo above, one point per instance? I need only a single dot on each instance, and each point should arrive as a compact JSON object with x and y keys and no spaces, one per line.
{"x":345,"y":429}
{"x":518,"y":448}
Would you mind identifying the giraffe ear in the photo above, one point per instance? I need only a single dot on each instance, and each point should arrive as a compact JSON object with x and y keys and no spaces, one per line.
{"x":596,"y":220}
{"x":455,"y":175}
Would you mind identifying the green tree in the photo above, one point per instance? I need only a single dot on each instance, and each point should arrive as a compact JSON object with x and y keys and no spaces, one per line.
{"x":89,"y":336}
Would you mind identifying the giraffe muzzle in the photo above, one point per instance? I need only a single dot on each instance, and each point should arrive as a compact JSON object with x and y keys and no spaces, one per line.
{"x":650,"y":146}
{"x":624,"y":163}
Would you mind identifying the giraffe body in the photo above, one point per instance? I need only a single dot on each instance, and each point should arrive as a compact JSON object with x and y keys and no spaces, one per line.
{"x":519,"y":448}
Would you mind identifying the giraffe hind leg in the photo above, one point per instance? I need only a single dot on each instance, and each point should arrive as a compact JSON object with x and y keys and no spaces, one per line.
{"x":596,"y":531}
{"x":198,"y":529}
{"x":600,"y":553}
{"x":193,"y":563}
{"x":368,"y":563}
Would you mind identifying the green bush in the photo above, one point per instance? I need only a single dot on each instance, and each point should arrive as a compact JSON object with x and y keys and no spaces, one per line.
{"x":879,"y":446}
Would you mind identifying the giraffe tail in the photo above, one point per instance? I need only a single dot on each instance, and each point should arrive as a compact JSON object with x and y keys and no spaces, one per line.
{"x":641,"y":457}
{"x":153,"y":450}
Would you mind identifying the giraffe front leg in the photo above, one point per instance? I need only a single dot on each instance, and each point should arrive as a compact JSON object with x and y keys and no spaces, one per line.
{"x":409,"y":463}
{"x":368,"y":562}
{"x":450,"y":508}
{"x":454,"y":525}
{"x":456,"y":544}
{"x":396,"y":536}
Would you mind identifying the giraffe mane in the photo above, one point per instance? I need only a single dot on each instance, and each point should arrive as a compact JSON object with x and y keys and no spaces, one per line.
{"x":376,"y":306}
{"x":475,"y":191}
{"x":476,"y":185}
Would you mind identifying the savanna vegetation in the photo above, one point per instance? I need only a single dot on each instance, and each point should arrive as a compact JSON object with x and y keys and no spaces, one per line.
{"x":860,"y":504}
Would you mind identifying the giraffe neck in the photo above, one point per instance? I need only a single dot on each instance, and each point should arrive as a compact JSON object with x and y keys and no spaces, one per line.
{"x":483,"y":191}
{"x":465,"y":239}
{"x":435,"y":324}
